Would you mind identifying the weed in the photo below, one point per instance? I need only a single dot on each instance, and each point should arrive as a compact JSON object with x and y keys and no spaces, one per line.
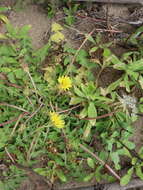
{"x":53,"y":112}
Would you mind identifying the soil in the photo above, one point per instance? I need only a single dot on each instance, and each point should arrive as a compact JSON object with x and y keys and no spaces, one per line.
{"x":86,"y":21}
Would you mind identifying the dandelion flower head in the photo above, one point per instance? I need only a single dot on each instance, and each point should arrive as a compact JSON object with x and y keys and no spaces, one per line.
{"x":64,"y":83}
{"x":56,"y":120}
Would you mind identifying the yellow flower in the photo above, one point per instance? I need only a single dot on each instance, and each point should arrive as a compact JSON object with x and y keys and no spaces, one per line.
{"x":56,"y":27}
{"x":57,"y":37}
{"x":64,"y":82}
{"x":56,"y":120}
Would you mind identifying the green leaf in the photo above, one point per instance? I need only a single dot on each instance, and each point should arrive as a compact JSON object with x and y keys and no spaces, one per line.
{"x":41,"y":53}
{"x":88,"y":178}
{"x":19,"y":73}
{"x":136,"y":65}
{"x":126,"y":178}
{"x":139,"y":172}
{"x":126,"y":82}
{"x":61,"y":175}
{"x":134,"y":160}
{"x":98,"y":173}
{"x":3,"y":37}
{"x":24,"y":31}
{"x":93,"y":49}
{"x":141,"y":81}
{"x":129,"y":144}
{"x":4,"y":9}
{"x":106,"y":52}
{"x":87,"y":131}
{"x":78,"y":92}
{"x":75,"y":100}
{"x":83,"y":113}
{"x":90,"y":38}
{"x":92,"y":113}
{"x":2,"y":186}
{"x":113,"y":85}
{"x":91,"y":163}
{"x":115,"y":159}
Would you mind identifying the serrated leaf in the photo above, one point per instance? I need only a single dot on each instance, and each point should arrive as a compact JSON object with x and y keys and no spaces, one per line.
{"x":90,"y":163}
{"x":126,"y":178}
{"x":92,"y":113}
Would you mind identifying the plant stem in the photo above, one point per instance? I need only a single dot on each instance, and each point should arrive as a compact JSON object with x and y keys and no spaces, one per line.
{"x":101,"y":162}
{"x":13,"y":106}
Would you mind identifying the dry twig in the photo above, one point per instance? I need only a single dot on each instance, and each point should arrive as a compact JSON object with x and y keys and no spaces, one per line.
{"x":101,"y":162}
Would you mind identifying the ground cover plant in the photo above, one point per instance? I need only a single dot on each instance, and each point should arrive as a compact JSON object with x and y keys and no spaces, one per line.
{"x":53,"y":110}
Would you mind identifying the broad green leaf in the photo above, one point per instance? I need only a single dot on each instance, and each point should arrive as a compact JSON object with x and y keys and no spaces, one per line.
{"x":98,"y":173}
{"x":106,"y":52}
{"x":88,"y":178}
{"x":115,"y":159}
{"x":83,"y":113}
{"x":87,"y":131}
{"x":19,"y":73}
{"x":125,"y":152}
{"x":117,"y":63}
{"x":61,"y":175}
{"x":75,"y":100}
{"x":90,"y":163}
{"x":136,"y":65}
{"x":129,"y":144}
{"x":133,"y":74}
{"x":92,"y":113}
{"x":126,"y":178}
{"x":78,"y":92}
{"x":139,"y":172}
